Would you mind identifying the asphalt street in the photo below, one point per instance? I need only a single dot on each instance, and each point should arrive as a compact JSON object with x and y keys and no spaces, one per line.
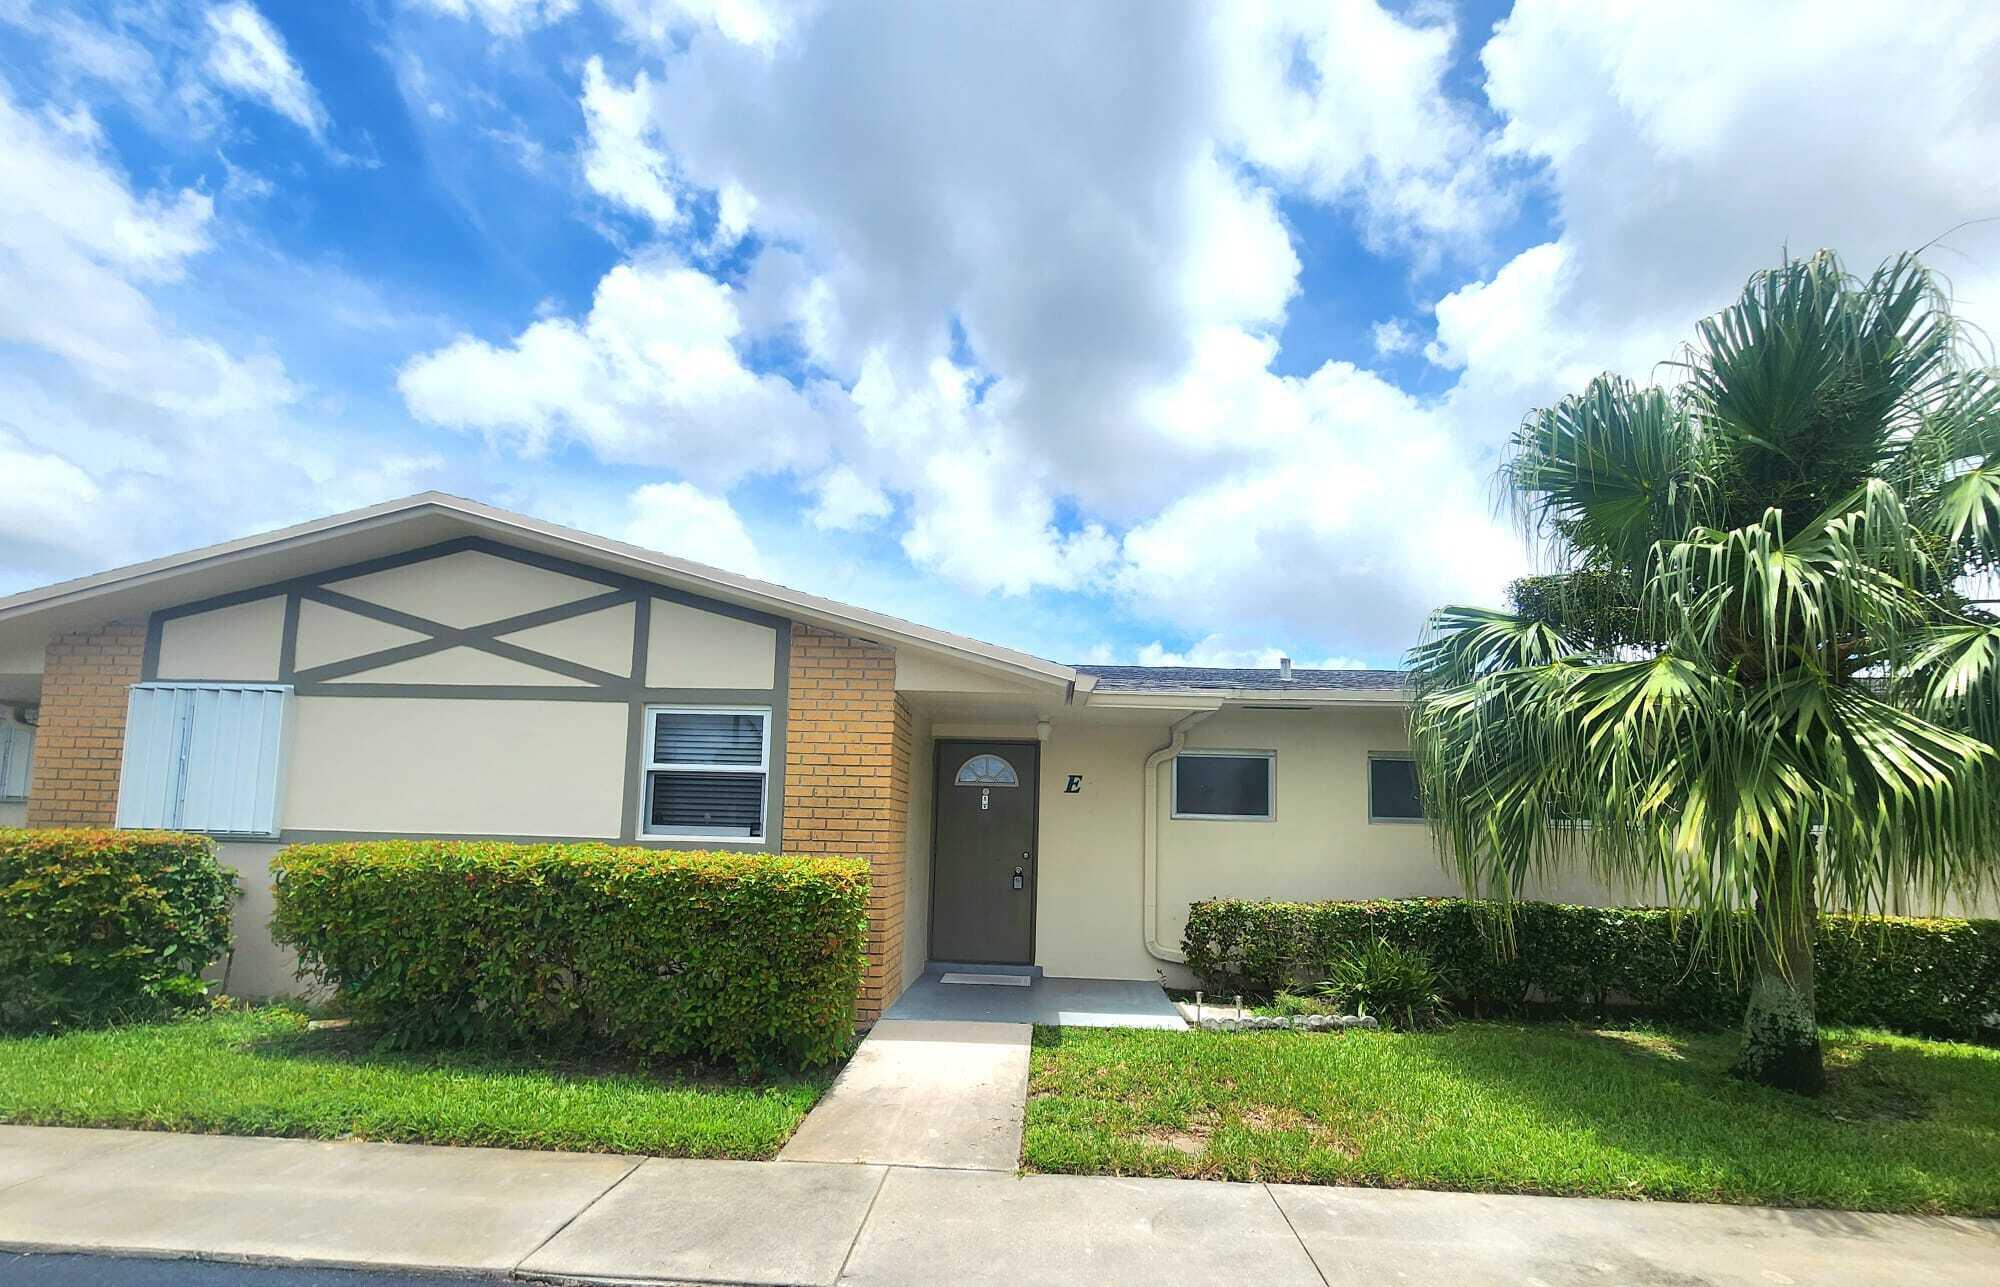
{"x":131,"y":1271}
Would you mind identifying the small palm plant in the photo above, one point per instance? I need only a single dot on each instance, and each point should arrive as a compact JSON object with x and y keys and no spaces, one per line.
{"x":1752,"y":683}
{"x":1399,"y":986}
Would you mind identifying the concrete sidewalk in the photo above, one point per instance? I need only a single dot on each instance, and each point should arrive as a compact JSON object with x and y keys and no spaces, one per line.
{"x":922,"y":1093}
{"x":587,"y":1217}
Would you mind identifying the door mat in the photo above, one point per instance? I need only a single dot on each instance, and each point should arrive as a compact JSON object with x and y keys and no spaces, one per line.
{"x":988,"y":980}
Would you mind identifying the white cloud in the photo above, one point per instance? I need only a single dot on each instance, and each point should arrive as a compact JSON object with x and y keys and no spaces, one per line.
{"x":1115,"y":273}
{"x":758,"y":23}
{"x":1370,"y":517}
{"x":1031,"y":335}
{"x":1686,"y":149}
{"x":50,"y":507}
{"x":505,"y":17}
{"x":1215,"y":650}
{"x":620,"y":162}
{"x":246,"y":54}
{"x":689,"y":523}
{"x":847,"y":501}
{"x":649,"y":377}
{"x":1344,"y":103}
{"x":1392,"y":337}
{"x":82,"y":244}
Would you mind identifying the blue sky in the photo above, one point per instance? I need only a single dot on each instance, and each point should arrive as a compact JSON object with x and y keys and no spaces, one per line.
{"x":1133,"y":333}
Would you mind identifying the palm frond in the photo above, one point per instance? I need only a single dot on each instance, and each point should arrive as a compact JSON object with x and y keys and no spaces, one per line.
{"x":1608,"y":472}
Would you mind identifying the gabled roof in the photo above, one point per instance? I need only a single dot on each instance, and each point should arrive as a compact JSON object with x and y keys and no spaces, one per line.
{"x":127,"y":593}
{"x":432,"y":517}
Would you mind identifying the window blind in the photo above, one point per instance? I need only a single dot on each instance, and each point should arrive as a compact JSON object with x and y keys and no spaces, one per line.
{"x":708,"y":737}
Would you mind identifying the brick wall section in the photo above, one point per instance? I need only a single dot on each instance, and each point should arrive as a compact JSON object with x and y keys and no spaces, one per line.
{"x":82,"y":732}
{"x":847,"y":783}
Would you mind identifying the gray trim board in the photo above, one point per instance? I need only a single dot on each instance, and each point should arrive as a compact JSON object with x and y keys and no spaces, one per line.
{"x":288,"y":640}
{"x":635,"y":724}
{"x":529,"y":692}
{"x":484,"y":638}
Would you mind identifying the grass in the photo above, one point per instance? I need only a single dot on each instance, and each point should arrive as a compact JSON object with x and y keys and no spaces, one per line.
{"x":1907,"y":1124}
{"x":260,"y":1072}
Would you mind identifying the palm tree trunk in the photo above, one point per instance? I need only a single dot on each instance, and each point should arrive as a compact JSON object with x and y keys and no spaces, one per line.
{"x":1780,"y":1029}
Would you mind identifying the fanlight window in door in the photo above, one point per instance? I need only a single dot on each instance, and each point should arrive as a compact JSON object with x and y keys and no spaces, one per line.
{"x":986,"y":771}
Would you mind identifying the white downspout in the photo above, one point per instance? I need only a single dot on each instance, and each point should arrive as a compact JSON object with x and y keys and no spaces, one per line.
{"x":1149,"y":837}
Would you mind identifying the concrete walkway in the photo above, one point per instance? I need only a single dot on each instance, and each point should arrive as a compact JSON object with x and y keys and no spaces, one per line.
{"x":921,"y":1093}
{"x":1076,"y":1003}
{"x":583,"y":1217}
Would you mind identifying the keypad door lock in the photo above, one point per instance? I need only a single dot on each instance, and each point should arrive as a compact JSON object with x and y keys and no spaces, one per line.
{"x":1020,"y":880}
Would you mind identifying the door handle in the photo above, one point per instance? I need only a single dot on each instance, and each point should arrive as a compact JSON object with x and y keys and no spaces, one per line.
{"x":1019,"y":880}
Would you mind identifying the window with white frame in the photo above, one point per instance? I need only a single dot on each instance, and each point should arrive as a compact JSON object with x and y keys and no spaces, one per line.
{"x":707,"y":774}
{"x":203,"y":757}
{"x":17,"y":753}
{"x":1225,"y":785}
{"x":1392,"y":789}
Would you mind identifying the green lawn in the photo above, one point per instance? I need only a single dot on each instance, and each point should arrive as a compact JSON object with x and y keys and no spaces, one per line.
{"x":259,"y":1072}
{"x":1908,"y":1125}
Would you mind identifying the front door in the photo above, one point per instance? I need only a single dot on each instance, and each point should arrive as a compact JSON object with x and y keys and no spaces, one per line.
{"x":983,"y":863}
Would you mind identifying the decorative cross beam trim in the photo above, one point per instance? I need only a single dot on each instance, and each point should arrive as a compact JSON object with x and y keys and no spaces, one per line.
{"x":484,"y":638}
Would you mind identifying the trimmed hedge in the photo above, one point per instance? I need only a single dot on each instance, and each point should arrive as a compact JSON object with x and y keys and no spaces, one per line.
{"x":721,"y":957}
{"x":99,"y":926}
{"x":1937,"y":977}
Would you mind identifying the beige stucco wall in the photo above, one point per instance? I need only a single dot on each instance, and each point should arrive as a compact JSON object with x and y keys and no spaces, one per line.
{"x":689,"y":648}
{"x":1319,"y":845}
{"x":602,"y":640}
{"x":328,"y":634}
{"x":919,"y":673}
{"x":240,"y":642}
{"x":1087,"y":899}
{"x":412,"y":765}
{"x":468,"y":588}
{"x":463,"y":666}
{"x":257,"y":967}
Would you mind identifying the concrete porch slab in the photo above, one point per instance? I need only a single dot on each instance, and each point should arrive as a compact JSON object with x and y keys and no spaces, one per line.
{"x":1087,"y":1003}
{"x":966,"y":1227}
{"x":1374,"y":1236}
{"x":921,"y":1093}
{"x":306,"y":1201}
{"x":681,"y":1220}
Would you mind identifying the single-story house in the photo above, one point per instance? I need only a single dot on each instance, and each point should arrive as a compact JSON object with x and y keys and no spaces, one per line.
{"x":437,"y":667}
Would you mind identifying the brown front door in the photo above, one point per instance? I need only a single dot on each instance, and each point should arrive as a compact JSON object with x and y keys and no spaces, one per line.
{"x":983,"y":862}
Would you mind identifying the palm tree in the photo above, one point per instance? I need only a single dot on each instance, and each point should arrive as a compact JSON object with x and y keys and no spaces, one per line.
{"x":1751,"y":682}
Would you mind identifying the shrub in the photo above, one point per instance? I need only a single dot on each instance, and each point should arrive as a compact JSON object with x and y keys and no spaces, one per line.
{"x":722,"y":957}
{"x":1398,"y":985}
{"x":102,"y":926}
{"x":1936,"y":977}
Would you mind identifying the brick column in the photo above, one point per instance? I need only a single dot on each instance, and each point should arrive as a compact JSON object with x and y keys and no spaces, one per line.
{"x":82,"y":733}
{"x":847,"y":783}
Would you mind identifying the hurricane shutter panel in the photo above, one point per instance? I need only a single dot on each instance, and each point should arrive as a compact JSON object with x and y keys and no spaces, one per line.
{"x":203,"y":757}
